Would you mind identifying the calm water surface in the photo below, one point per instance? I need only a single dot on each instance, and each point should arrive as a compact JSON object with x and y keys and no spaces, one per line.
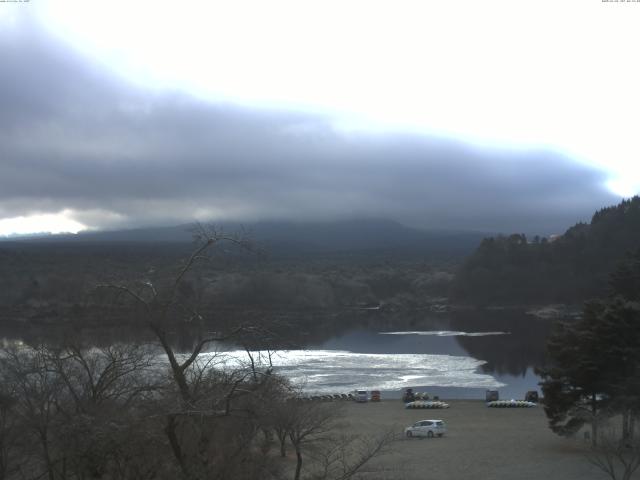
{"x":456,"y":355}
{"x":453,"y":355}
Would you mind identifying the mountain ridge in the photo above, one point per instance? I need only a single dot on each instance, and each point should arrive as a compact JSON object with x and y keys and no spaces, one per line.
{"x":300,"y":237}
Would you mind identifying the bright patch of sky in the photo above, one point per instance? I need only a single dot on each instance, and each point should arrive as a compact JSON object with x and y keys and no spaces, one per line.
{"x":520,"y":74}
{"x":40,"y":223}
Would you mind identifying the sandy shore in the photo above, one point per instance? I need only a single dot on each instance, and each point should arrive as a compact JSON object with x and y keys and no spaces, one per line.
{"x":481,"y":443}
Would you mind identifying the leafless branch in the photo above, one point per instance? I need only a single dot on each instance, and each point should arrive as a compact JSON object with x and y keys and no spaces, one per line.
{"x":618,"y":458}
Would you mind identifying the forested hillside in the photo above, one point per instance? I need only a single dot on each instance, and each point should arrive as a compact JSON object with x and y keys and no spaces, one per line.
{"x":571,"y":268}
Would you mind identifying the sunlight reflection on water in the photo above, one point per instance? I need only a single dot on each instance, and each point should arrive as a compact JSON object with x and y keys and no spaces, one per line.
{"x":336,"y":371}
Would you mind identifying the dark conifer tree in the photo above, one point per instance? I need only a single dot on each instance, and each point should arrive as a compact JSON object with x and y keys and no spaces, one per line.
{"x":571,"y":268}
{"x":595,"y":362}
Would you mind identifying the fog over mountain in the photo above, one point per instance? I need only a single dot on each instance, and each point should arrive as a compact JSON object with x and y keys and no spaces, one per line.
{"x":76,"y":138}
{"x":370,"y":236}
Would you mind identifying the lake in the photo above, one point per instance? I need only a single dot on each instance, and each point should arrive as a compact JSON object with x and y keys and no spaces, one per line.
{"x":458,"y":354}
{"x":453,"y":355}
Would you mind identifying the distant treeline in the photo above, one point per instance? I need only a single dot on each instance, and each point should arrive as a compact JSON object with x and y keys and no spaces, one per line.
{"x":571,"y":268}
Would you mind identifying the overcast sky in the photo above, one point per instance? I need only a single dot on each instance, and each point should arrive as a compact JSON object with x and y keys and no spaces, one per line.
{"x":495,"y":116}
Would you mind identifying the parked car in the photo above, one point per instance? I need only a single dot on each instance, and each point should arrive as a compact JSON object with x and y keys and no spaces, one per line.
{"x":492,"y":396}
{"x":361,"y":396}
{"x":426,"y":428}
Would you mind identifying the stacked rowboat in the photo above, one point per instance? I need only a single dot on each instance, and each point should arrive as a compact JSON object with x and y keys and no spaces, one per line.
{"x":510,"y":404}
{"x":427,"y":404}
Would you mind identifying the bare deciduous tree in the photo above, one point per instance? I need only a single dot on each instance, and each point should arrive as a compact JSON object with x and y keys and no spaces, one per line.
{"x":37,"y":392}
{"x":170,"y":306}
{"x":346,"y":455}
{"x":615,"y":456}
{"x":9,"y":432}
{"x":211,"y":428}
{"x":75,"y":410}
{"x":71,"y":413}
{"x":308,"y":423}
{"x":312,"y":430}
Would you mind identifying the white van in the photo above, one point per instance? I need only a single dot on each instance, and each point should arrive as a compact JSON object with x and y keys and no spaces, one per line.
{"x":426,"y":428}
{"x":361,"y":396}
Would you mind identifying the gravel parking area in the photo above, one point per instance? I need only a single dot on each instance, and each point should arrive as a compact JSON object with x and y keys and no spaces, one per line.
{"x":481,"y":443}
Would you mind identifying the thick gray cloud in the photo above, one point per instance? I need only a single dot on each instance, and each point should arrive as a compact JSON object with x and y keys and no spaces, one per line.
{"x":72,"y":136}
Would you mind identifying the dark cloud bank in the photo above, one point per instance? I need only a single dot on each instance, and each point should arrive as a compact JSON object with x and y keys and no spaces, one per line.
{"x":74,"y":137}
